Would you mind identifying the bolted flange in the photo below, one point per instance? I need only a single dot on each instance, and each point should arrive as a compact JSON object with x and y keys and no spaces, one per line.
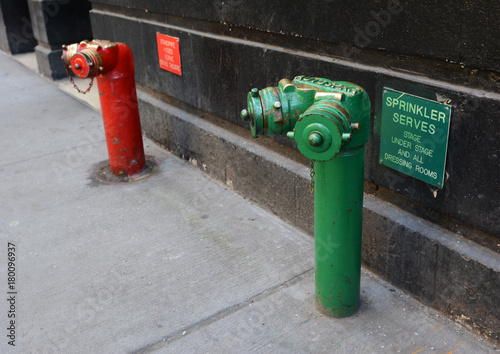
{"x":254,"y":113}
{"x":86,"y":63}
{"x":321,"y":131}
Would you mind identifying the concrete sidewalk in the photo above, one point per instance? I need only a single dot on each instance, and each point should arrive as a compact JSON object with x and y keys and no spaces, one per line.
{"x":173,"y":263}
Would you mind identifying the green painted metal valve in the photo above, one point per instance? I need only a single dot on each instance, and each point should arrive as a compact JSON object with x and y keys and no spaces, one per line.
{"x":330,"y":123}
{"x":319,"y":114}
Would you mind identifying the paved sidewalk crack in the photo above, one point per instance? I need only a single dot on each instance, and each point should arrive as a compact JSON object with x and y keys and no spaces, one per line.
{"x":181,"y":333}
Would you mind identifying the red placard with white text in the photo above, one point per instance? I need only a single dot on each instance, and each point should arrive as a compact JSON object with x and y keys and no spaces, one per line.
{"x":168,"y":53}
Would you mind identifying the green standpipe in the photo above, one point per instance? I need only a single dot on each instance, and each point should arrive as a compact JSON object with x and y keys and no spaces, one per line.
{"x":338,"y":210}
{"x":330,"y":123}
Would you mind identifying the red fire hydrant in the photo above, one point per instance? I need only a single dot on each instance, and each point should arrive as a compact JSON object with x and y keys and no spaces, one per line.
{"x":113,"y":66}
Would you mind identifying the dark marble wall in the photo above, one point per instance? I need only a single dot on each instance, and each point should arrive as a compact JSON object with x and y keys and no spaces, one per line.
{"x":414,"y":47}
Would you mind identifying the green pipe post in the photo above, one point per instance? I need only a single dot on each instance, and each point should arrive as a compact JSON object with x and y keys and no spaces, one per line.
{"x":338,"y":212}
{"x":330,"y":123}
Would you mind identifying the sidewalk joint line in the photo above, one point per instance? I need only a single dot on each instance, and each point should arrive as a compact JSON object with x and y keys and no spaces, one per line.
{"x":204,"y":322}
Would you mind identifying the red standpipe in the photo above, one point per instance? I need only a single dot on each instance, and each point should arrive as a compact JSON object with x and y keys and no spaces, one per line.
{"x":113,"y":66}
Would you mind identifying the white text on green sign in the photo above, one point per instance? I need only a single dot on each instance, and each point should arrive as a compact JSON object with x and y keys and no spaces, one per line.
{"x":414,"y":136}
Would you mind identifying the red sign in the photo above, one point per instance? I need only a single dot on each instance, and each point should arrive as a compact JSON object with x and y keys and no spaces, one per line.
{"x":169,"y":54}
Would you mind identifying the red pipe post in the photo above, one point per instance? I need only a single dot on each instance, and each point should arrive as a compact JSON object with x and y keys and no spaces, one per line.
{"x":113,"y":66}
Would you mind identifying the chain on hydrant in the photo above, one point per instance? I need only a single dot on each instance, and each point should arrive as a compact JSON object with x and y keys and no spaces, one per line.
{"x":112,"y":65}
{"x":75,"y":86}
{"x":311,"y":174}
{"x":330,"y":123}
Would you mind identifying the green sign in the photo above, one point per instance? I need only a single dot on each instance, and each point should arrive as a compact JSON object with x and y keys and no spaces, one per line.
{"x":414,"y":137}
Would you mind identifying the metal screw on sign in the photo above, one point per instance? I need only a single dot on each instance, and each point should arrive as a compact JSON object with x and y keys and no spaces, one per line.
{"x":75,"y":86}
{"x":312,"y":173}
